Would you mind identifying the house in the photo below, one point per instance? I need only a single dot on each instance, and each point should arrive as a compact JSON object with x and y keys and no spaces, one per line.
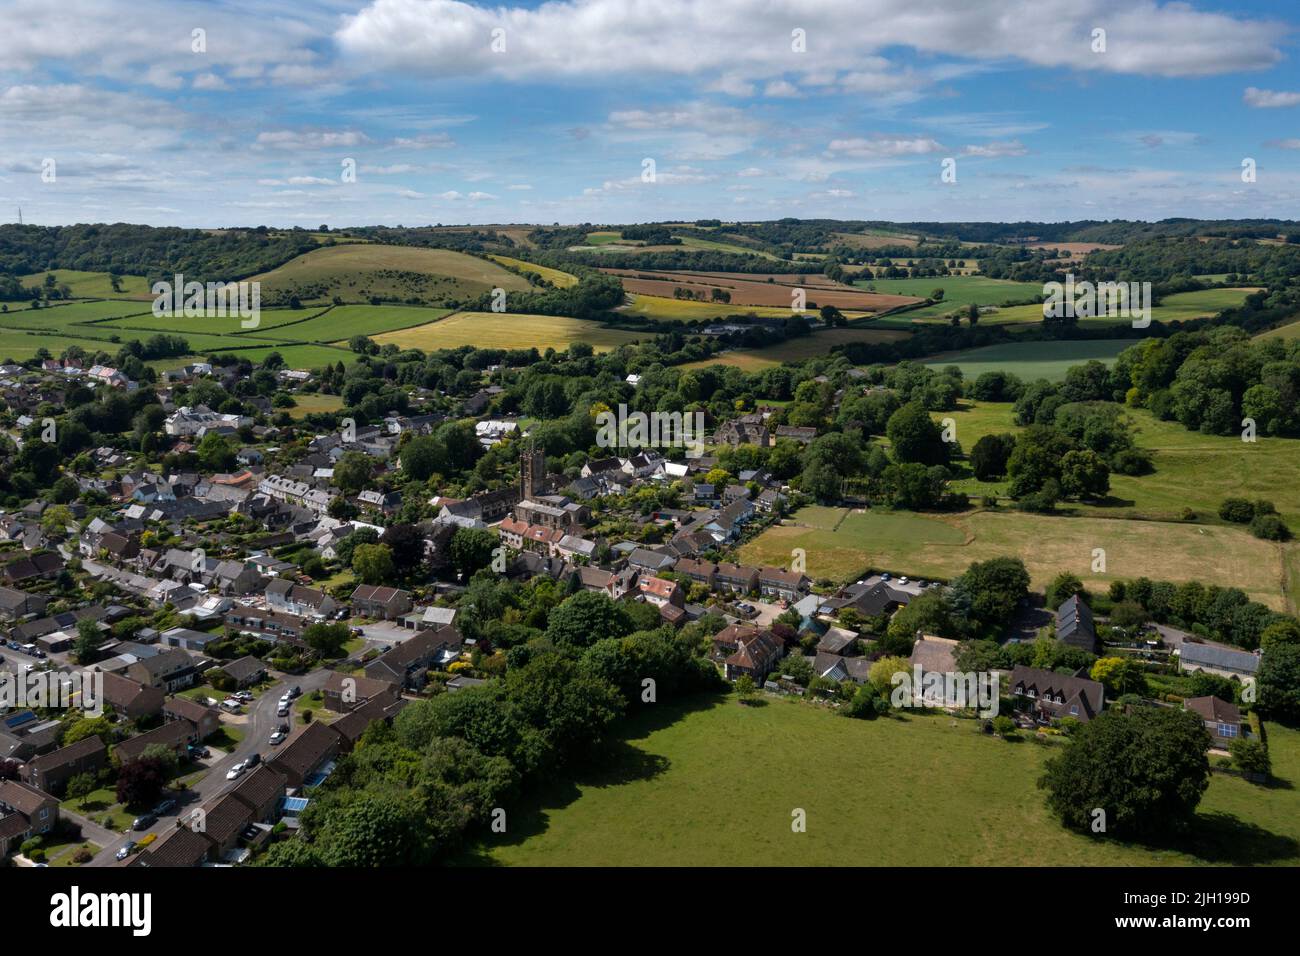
{"x":375,"y":601}
{"x":746,"y":430}
{"x":352,"y":726}
{"x":782,"y":585}
{"x":1074,"y":625}
{"x":407,"y":663}
{"x":1050,"y":696}
{"x":697,"y":572}
{"x":1217,"y":659}
{"x":306,"y":753}
{"x":181,"y":847}
{"x":269,"y":625}
{"x":51,"y":772}
{"x":659,"y":592}
{"x":171,"y":670}
{"x":932,"y":655}
{"x":429,"y":617}
{"x":800,"y":433}
{"x":245,"y":671}
{"x":284,"y":595}
{"x":15,"y":604}
{"x":225,"y":818}
{"x":644,"y":559}
{"x":839,"y":668}
{"x":25,"y":812}
{"x":187,"y":639}
{"x":754,"y":656}
{"x":175,"y":735}
{"x":130,"y":698}
{"x":262,"y":791}
{"x":206,"y":720}
{"x":1222,"y":719}
{"x":736,"y":578}
{"x":345,"y":692}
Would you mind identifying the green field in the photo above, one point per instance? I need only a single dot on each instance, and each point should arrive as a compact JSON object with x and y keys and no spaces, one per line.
{"x":93,"y":285}
{"x":958,"y":292}
{"x":1033,"y":360}
{"x":356,"y":272}
{"x":715,"y":785}
{"x":818,"y":343}
{"x":487,"y":330}
{"x":1285,"y":332}
{"x":663,"y":309}
{"x":1173,"y":308}
{"x":944,"y":545}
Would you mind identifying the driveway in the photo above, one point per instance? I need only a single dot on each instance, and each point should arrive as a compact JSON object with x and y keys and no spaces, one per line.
{"x":259,"y":723}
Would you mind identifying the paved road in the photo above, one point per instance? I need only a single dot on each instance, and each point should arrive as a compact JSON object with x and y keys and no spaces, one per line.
{"x":261,"y":722}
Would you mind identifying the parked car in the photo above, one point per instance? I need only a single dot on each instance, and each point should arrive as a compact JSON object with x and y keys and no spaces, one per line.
{"x":294,"y":692}
{"x":125,"y":850}
{"x":277,"y":738}
{"x":253,"y":760}
{"x":144,"y":821}
{"x":243,"y":695}
{"x":235,"y":772}
{"x":165,"y":807}
{"x":283,"y":709}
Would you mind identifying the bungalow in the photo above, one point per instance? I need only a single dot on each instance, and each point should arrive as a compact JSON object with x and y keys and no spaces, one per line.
{"x":352,"y":726}
{"x":262,"y":791}
{"x":345,"y":692}
{"x":369,"y":600}
{"x":1222,"y":719}
{"x":407,"y":663}
{"x":1048,"y":695}
{"x":306,"y":753}
{"x":838,"y":668}
{"x":1216,"y":659}
{"x":598,"y":579}
{"x":51,"y":772}
{"x":644,"y":559}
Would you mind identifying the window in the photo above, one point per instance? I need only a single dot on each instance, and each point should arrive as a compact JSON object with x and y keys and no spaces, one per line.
{"x":1074,"y":710}
{"x":1227,"y":730}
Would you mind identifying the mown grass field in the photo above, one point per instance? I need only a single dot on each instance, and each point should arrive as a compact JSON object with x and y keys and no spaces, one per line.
{"x":666,"y":309}
{"x":1033,"y":360}
{"x":944,"y":545}
{"x":715,"y":785}
{"x":508,"y":331}
{"x":1285,"y":332}
{"x":355,"y":272}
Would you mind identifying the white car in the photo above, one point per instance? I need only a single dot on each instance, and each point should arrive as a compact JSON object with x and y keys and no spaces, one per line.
{"x":235,"y":772}
{"x":277,"y":738}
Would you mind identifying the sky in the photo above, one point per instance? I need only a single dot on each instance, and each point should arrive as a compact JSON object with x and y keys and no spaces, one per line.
{"x":411,"y":112}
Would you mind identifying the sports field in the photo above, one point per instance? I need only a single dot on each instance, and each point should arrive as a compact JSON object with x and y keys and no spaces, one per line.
{"x":716,"y":784}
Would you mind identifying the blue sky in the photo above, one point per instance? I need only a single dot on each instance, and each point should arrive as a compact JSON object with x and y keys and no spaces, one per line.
{"x":748,"y":109}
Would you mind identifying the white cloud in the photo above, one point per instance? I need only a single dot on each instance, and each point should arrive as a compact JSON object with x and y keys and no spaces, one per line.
{"x":309,"y":139}
{"x":882,"y":146}
{"x":1008,"y":148}
{"x":1269,"y":99}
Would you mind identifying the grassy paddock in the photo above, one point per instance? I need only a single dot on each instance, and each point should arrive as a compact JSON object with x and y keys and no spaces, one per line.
{"x":715,"y":785}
